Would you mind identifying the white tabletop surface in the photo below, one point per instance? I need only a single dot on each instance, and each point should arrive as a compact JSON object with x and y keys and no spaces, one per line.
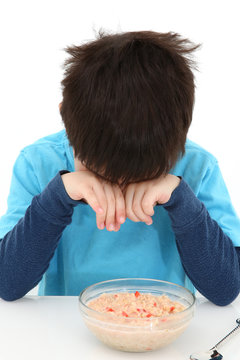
{"x":52,"y":328}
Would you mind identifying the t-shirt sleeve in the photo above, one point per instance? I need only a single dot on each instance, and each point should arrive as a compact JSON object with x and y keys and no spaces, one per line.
{"x":215,"y":196}
{"x":24,"y":186}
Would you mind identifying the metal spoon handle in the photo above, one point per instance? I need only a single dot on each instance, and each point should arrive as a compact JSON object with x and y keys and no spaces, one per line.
{"x":228,"y":335}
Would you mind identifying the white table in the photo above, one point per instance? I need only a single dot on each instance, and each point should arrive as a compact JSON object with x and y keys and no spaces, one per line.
{"x":52,"y":328}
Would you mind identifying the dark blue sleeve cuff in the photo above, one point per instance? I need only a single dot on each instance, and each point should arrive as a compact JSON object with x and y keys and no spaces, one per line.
{"x":184,"y":208}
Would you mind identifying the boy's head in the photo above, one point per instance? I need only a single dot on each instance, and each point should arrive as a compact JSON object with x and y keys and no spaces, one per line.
{"x":127,"y":103}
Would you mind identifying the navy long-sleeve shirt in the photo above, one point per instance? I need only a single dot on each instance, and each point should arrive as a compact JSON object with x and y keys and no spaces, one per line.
{"x":208,"y":256}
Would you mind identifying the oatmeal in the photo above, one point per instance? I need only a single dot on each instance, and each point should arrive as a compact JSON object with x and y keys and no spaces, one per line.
{"x":135,"y":305}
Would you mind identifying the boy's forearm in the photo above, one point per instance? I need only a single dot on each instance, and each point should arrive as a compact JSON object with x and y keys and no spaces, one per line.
{"x":208,"y":255}
{"x":25,"y":252}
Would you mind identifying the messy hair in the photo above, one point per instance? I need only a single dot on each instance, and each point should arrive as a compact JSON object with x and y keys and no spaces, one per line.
{"x":128,"y":101}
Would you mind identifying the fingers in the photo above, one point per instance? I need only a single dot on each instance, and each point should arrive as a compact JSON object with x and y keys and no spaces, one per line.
{"x":104,"y":198}
{"x":137,"y":203}
{"x":112,"y":208}
{"x":119,"y":205}
{"x":101,"y":199}
{"x":115,"y":215}
{"x":137,"y":206}
{"x":108,"y":202}
{"x":133,"y":198}
{"x":110,"y":214}
{"x":93,"y":201}
{"x":128,"y":203}
{"x":148,"y":203}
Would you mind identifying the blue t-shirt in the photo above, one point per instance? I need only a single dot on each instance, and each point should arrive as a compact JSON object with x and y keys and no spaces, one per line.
{"x":86,"y":255}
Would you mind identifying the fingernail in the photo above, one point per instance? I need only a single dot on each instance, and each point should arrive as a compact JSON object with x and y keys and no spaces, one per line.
{"x":100,"y":210}
{"x":122,"y":219}
{"x":111,"y":227}
{"x":149,"y":222}
{"x":101,"y":226}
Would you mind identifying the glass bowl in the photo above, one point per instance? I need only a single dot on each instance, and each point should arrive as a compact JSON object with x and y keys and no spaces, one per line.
{"x":137,"y":334}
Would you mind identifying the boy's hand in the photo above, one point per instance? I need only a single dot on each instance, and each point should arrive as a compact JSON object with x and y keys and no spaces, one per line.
{"x":140,"y":198}
{"x":105,"y":199}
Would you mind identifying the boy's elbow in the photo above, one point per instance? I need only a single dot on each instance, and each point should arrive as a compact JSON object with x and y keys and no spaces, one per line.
{"x":227,"y":297}
{"x":8,"y":296}
{"x":9,"y":292}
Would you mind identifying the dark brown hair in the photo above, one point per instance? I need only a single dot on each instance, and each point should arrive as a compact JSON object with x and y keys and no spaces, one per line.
{"x":128,"y":101}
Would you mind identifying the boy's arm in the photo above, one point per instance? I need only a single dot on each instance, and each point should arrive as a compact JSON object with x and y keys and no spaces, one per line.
{"x":26,"y":250}
{"x":208,"y":255}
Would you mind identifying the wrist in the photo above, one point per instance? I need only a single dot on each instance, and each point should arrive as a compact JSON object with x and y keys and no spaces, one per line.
{"x":66,"y":182}
{"x":54,"y":203}
{"x":171,"y":184}
{"x":174,"y":181}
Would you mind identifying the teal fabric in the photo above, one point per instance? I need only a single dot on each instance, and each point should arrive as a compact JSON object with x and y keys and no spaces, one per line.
{"x":86,"y":255}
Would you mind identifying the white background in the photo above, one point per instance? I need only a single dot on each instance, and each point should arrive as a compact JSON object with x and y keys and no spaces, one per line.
{"x":34,"y":33}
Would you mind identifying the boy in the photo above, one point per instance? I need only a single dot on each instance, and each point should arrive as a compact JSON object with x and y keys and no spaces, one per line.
{"x":160,"y":203}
